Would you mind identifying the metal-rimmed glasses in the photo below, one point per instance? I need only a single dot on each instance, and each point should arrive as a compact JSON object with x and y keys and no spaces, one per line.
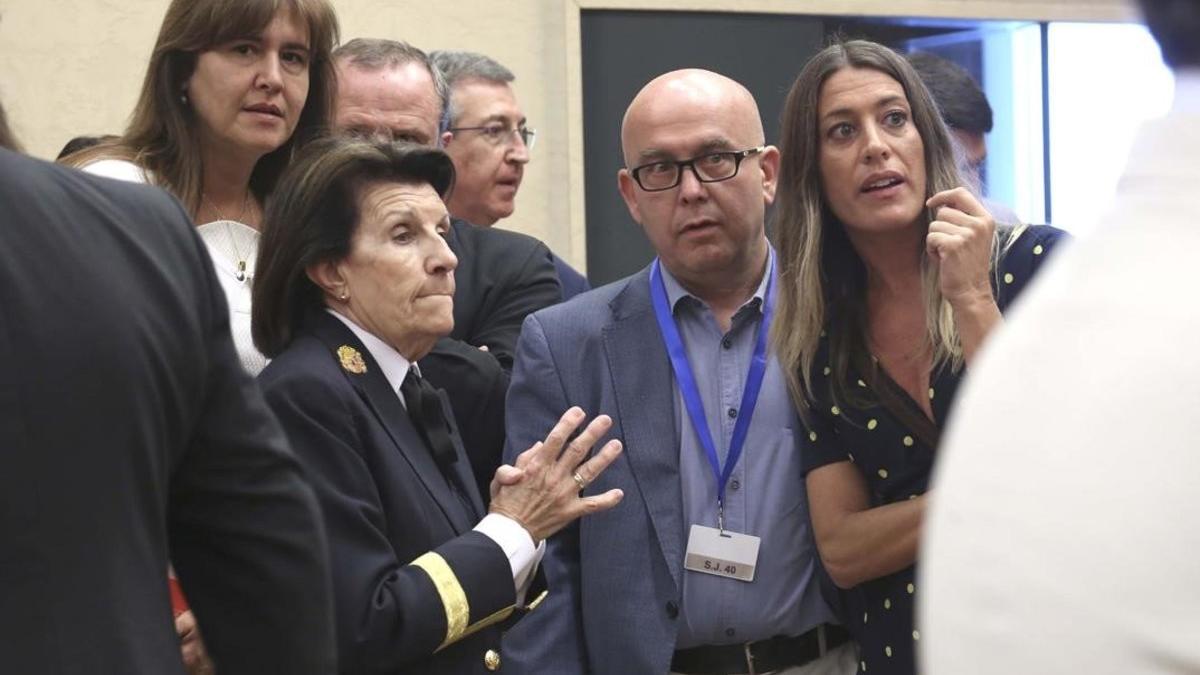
{"x":498,"y":132}
{"x":711,"y":167}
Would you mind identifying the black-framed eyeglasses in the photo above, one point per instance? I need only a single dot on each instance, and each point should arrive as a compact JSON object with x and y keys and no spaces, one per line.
{"x":497,"y":133}
{"x":712,"y":167}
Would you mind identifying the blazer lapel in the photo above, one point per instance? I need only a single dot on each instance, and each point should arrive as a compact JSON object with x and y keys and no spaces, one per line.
{"x":644,"y":387}
{"x":375,"y":390}
{"x":462,"y":468}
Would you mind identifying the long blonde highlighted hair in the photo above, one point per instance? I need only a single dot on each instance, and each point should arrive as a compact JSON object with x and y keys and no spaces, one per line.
{"x":161,"y":137}
{"x":822,"y":280}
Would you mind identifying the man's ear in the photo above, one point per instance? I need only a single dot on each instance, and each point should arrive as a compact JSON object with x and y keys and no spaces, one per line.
{"x":447,"y":136}
{"x":327,"y":275}
{"x":628,"y":187}
{"x":770,"y":170}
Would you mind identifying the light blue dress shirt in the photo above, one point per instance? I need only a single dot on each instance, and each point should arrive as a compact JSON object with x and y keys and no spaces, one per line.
{"x":765,"y":496}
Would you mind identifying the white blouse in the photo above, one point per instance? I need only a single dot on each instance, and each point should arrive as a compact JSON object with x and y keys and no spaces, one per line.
{"x":233,"y":248}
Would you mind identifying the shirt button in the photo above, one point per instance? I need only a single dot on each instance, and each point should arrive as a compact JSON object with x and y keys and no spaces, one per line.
{"x":729,"y":632}
{"x":732,"y":413}
{"x":734,"y":484}
{"x":672,"y":609}
{"x":727,"y":342}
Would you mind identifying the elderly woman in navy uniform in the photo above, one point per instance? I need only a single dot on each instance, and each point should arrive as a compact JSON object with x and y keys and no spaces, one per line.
{"x":356,"y":284}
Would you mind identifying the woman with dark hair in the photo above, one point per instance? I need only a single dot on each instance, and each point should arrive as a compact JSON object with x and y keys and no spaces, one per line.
{"x":891,"y":277}
{"x":356,"y":283}
{"x":232,"y":89}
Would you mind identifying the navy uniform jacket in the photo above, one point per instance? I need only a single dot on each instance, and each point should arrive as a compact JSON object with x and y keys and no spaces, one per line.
{"x":128,"y":428}
{"x":415,"y":589}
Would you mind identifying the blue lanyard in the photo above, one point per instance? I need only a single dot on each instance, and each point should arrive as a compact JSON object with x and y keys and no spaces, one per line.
{"x":687,"y":381}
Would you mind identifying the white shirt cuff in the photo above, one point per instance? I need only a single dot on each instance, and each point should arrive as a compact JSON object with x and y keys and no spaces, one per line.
{"x":517,"y":545}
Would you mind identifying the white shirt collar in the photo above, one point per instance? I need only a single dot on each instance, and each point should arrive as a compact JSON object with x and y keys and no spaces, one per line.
{"x":1187,"y":91}
{"x":394,"y":366}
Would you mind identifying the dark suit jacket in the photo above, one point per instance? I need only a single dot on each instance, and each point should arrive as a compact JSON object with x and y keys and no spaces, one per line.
{"x":501,"y":277}
{"x":573,"y":283}
{"x":409,"y":574}
{"x":127,"y":428}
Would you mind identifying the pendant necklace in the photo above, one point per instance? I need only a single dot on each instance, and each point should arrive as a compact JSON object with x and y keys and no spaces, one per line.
{"x":241,"y":260}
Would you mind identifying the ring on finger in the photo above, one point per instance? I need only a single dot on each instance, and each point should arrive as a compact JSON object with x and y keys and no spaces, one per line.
{"x":579,"y":481}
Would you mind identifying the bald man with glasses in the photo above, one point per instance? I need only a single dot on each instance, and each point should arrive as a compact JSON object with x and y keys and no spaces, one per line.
{"x":708,"y":566}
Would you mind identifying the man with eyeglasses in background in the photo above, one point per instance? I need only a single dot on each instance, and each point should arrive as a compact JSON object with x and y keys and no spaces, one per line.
{"x":968,"y":116}
{"x":676,"y":355}
{"x":490,"y":143}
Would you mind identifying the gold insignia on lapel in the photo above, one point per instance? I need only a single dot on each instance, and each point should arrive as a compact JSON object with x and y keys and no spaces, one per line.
{"x":351,"y":360}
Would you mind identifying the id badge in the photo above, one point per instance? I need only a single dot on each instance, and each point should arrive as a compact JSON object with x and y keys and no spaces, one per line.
{"x":724,"y":554}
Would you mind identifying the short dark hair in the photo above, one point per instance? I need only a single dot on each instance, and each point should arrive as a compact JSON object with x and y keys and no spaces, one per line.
{"x":83,"y":143}
{"x":312,"y":216}
{"x":1176,"y":25}
{"x":962,"y":103}
{"x":375,"y":54}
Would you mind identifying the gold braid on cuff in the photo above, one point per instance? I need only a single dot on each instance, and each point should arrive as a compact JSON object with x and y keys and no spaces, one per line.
{"x":454,"y":598}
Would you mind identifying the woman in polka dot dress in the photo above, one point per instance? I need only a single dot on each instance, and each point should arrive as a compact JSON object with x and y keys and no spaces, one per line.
{"x":891,"y":277}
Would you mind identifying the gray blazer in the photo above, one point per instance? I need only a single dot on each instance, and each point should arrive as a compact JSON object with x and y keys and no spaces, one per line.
{"x":602,"y":351}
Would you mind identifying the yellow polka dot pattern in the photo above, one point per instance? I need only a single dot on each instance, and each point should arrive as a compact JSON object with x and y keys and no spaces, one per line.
{"x":872,"y":423}
{"x":887,"y":603}
{"x":908,"y":441}
{"x":812,"y":436}
{"x":835,"y":410}
{"x":911,"y":589}
{"x":888,"y":651}
{"x":883,"y":473}
{"x":1008,"y":277}
{"x":1037,"y":250}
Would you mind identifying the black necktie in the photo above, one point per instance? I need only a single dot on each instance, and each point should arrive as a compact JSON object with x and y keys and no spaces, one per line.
{"x":425,"y":411}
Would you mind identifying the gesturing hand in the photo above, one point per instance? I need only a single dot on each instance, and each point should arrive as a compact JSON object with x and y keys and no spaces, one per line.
{"x":546,"y":497}
{"x":960,"y":240}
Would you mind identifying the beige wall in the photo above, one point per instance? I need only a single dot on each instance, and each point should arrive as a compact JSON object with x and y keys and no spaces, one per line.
{"x":70,"y":67}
